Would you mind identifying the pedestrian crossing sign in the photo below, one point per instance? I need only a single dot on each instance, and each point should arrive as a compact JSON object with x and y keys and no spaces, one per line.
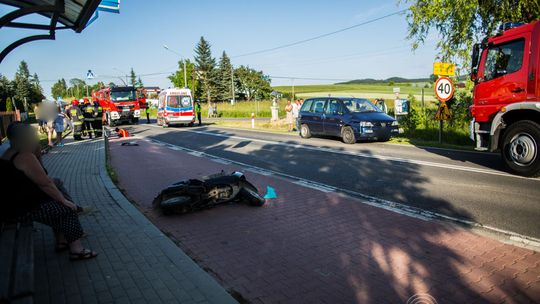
{"x":443,"y":112}
{"x":90,"y":75}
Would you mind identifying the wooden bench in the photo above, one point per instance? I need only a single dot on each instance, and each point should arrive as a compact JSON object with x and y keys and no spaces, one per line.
{"x":16,"y":263}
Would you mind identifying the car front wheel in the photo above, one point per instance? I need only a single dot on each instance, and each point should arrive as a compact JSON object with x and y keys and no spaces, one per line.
{"x":347,"y":135}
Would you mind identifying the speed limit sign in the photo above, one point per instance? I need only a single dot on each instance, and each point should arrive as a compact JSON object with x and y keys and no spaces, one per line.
{"x":444,"y":89}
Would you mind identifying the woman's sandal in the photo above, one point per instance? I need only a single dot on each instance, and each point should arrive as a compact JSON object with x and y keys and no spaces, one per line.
{"x":61,"y":247}
{"x":85,"y":254}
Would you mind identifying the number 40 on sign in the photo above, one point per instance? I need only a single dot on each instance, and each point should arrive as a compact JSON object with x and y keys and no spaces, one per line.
{"x":444,"y":89}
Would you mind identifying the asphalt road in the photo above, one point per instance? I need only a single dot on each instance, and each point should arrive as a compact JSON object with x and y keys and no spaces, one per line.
{"x":464,"y":185}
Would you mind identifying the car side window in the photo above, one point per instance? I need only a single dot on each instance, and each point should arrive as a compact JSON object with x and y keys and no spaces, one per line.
{"x":333,"y":107}
{"x":504,"y":59}
{"x":306,"y":107}
{"x":318,"y":106}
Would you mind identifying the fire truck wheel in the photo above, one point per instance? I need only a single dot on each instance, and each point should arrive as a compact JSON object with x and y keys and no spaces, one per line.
{"x":135,"y":121}
{"x":520,"y":149}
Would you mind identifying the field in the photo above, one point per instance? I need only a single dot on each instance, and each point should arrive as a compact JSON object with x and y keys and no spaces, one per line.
{"x":382,"y":90}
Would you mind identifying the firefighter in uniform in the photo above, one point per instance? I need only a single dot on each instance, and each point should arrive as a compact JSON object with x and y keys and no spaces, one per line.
{"x":98,"y":119}
{"x":89,"y":115}
{"x":77,"y":119}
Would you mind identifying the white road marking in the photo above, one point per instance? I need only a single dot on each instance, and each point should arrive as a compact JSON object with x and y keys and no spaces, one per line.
{"x":316,"y":186}
{"x":196,"y":153}
{"x":220,"y":161}
{"x":365,"y":155}
{"x":259,"y":171}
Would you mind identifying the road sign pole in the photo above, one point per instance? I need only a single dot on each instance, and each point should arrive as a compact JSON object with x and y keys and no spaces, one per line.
{"x":440,"y":131}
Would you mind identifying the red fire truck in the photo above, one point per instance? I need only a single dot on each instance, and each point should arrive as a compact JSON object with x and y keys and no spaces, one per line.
{"x":120,"y":104}
{"x":506,"y":108}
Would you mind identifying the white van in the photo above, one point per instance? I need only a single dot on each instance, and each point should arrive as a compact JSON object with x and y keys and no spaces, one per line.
{"x":175,"y":106}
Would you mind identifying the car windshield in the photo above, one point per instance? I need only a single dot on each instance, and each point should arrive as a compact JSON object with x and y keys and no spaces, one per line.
{"x":119,"y":96}
{"x":178,"y":101}
{"x":360,"y":106}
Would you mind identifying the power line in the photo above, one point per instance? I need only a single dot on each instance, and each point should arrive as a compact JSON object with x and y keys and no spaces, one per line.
{"x":319,"y":36}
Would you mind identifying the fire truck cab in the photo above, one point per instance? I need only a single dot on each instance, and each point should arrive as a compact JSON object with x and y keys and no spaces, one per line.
{"x":506,"y":96}
{"x":119,"y":104}
{"x":175,"y":106}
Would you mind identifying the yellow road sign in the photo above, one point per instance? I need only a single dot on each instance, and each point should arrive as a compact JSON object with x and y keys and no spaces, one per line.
{"x":444,"y":69}
{"x":443,"y":112}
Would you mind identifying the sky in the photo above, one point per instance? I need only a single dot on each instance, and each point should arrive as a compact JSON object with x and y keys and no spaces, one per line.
{"x":115,"y":43}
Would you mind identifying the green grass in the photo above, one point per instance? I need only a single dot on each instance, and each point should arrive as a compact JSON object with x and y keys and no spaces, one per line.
{"x":243,"y":109}
{"x":451,"y":138}
{"x":382,"y":90}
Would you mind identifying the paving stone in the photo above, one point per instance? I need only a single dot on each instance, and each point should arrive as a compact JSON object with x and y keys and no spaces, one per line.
{"x":120,"y":233}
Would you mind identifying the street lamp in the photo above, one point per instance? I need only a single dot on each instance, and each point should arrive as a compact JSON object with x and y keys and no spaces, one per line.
{"x":185,"y":70}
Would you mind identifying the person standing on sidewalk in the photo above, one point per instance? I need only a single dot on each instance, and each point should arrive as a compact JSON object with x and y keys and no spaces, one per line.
{"x":147,"y":110}
{"x":289,"y":118}
{"x":295,"y":111}
{"x":35,"y":196}
{"x":88,"y":113}
{"x":210,"y":110}
{"x":77,"y":119}
{"x":198,"y":111}
{"x":59,"y":127}
{"x":97,"y":124}
{"x":39,"y":120}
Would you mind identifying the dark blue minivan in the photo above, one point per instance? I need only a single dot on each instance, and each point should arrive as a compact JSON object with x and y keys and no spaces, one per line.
{"x":351,"y":119}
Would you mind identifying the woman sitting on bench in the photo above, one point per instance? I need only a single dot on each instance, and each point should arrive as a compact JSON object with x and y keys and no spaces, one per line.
{"x":34,"y":195}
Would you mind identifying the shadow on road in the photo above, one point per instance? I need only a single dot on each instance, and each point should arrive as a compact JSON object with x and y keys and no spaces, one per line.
{"x":309,"y":246}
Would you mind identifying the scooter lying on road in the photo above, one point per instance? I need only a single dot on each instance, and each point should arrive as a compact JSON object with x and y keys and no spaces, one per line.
{"x":194,"y":194}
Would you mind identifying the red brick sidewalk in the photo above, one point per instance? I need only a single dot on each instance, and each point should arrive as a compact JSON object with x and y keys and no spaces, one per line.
{"x":309,"y":246}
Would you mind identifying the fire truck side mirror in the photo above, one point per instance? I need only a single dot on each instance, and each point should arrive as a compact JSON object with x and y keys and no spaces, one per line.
{"x":475,"y":61}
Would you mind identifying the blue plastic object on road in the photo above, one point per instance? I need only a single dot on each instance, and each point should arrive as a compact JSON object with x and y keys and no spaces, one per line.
{"x":270,"y":193}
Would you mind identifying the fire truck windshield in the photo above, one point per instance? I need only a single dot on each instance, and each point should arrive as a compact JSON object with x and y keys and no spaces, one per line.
{"x":119,"y":96}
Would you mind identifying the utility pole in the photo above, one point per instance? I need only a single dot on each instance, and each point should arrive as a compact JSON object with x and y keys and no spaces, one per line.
{"x":185,"y":74}
{"x":232,"y":85}
{"x":292,"y":97}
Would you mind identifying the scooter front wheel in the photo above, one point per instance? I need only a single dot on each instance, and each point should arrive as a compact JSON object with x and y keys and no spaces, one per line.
{"x":251,"y":196}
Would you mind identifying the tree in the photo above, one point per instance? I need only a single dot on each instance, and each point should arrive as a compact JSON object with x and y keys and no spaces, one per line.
{"x":59,"y":88}
{"x":192,"y":80}
{"x":132,"y":78}
{"x":224,"y":78}
{"x":9,"y":105}
{"x":36,"y":91}
{"x":78,"y":87}
{"x":253,"y":83}
{"x":205,"y":65}
{"x":139,"y":83}
{"x":22,"y":85}
{"x":6,"y":91}
{"x":461,"y":26}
